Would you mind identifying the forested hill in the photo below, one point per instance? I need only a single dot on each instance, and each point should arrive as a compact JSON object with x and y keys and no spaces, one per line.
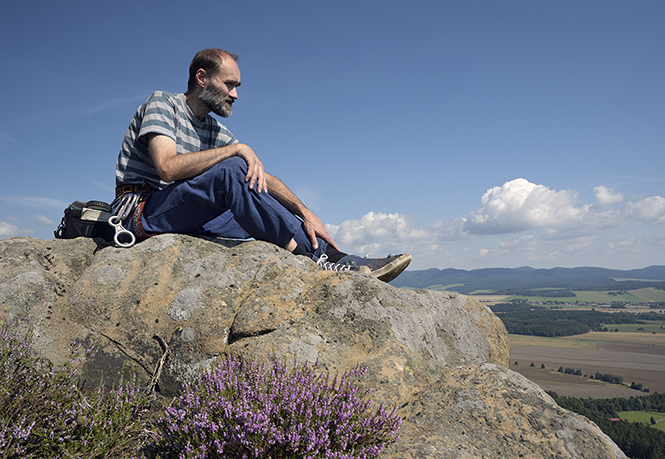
{"x":505,"y":280}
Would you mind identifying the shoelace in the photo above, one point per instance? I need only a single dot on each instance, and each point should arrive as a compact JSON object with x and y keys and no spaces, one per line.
{"x":330,"y":266}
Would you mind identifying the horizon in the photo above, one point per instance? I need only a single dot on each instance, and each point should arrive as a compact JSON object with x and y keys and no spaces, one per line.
{"x":538,"y":269}
{"x":469,"y":134}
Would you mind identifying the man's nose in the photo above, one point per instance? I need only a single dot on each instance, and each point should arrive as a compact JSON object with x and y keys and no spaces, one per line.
{"x":234,"y":93}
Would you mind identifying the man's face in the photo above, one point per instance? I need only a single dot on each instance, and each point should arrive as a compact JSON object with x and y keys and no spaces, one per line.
{"x":220,"y":91}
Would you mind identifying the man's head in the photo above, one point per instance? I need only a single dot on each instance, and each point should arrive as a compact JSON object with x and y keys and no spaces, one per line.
{"x":214,"y":75}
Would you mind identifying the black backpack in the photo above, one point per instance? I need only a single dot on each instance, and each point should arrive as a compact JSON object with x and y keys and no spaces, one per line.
{"x":87,"y":219}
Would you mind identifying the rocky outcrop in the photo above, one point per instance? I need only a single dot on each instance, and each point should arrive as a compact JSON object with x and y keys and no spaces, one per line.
{"x":440,"y":357}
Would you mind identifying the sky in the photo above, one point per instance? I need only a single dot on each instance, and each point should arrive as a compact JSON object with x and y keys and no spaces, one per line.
{"x":471,"y":134}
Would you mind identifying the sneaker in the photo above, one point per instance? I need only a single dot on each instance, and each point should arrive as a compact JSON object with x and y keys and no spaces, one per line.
{"x":384,"y":269}
{"x":326,"y":265}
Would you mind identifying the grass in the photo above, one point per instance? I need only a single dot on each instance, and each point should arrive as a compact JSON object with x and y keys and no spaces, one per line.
{"x":644,"y":417}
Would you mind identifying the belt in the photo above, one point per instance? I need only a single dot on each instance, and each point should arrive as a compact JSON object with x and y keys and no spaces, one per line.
{"x":124,"y":188}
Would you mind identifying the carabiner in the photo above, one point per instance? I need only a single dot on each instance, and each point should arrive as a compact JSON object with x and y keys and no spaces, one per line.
{"x":121,"y":232}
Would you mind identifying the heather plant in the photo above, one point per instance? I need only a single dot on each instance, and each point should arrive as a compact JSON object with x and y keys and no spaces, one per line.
{"x":239,"y":410}
{"x":44,"y":415}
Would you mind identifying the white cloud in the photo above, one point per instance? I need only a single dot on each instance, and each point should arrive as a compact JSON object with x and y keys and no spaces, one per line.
{"x":375,"y":226}
{"x":607,"y":196}
{"x":9,"y":230}
{"x":648,"y":210}
{"x":36,"y":201}
{"x":42,"y":220}
{"x":521,"y":223}
{"x":520,"y":205}
{"x":110,"y":104}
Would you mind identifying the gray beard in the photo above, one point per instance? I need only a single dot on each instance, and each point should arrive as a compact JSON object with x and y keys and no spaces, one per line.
{"x":213,"y":99}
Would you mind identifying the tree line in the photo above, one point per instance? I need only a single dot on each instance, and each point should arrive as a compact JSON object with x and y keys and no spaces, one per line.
{"x":523,"y":318}
{"x":635,"y":439}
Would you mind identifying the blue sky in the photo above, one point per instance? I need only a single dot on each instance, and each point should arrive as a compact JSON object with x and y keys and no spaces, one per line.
{"x":471,"y":133}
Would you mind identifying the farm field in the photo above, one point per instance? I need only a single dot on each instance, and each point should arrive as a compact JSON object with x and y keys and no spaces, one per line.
{"x":636,"y":356}
{"x":644,"y":417}
{"x":591,"y":298}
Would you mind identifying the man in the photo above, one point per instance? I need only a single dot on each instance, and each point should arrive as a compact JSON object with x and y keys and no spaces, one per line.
{"x":202,"y":181}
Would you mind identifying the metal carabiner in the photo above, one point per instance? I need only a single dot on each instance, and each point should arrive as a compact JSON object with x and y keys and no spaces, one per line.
{"x":121,"y":232}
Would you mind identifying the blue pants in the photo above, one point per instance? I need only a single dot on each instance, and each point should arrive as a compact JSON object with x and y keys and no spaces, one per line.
{"x":219,"y":203}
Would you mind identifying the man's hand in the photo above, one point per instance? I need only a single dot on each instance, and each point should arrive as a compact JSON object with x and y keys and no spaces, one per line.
{"x":311,"y":223}
{"x":255,"y":173}
{"x":313,"y":227}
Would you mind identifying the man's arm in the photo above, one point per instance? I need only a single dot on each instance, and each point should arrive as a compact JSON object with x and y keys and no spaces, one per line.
{"x":171,"y":166}
{"x":312,"y":224}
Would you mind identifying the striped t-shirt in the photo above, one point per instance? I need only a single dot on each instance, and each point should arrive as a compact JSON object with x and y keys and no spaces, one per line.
{"x":167,"y":114}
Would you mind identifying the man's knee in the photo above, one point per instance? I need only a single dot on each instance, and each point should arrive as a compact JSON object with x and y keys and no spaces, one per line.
{"x":233,"y":166}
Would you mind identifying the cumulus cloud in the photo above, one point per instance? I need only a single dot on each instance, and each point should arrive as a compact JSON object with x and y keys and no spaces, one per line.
{"x":520,"y":205}
{"x":607,"y":196}
{"x":375,"y":226}
{"x":518,"y":217}
{"x":648,"y":210}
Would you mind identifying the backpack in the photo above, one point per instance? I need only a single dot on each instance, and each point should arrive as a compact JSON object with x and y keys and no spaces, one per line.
{"x":87,"y":219}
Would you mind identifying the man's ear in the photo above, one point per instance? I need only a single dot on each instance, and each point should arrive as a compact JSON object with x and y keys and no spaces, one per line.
{"x":201,"y":77}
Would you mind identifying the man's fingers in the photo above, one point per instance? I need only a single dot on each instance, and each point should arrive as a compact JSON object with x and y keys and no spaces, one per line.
{"x":256,"y":176}
{"x":313,"y":240}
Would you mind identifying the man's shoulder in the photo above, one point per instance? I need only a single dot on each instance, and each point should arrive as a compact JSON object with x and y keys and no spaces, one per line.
{"x":165,"y":96}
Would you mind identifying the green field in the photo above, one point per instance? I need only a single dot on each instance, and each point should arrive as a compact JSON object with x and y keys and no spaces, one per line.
{"x":638,"y":296}
{"x":644,"y":417}
{"x":593,"y":340}
{"x":653,"y":327}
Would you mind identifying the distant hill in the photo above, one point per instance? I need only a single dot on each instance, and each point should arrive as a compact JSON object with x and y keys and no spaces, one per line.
{"x":508,"y":280}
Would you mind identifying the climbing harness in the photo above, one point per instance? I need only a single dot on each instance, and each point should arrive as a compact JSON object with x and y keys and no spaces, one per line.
{"x":129,"y":201}
{"x":126,"y":204}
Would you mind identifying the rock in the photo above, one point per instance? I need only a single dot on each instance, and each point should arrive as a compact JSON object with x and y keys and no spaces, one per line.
{"x":490,"y":411}
{"x":441,"y":357}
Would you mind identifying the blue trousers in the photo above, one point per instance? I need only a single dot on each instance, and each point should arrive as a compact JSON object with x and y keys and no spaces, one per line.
{"x":219,"y":203}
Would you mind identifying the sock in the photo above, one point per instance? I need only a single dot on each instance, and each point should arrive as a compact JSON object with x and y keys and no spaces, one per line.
{"x":299,"y":250}
{"x":334,"y":255}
